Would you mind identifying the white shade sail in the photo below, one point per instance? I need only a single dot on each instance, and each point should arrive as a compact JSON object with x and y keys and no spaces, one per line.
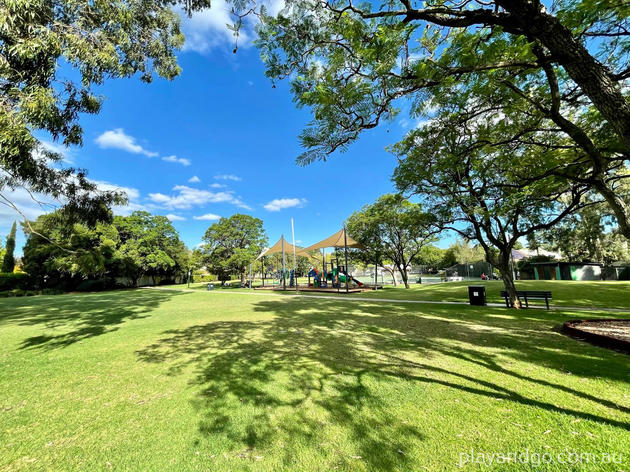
{"x":339,"y":239}
{"x":277,"y":248}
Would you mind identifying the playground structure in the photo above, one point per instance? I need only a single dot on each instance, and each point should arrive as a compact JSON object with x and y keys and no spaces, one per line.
{"x":331,"y":276}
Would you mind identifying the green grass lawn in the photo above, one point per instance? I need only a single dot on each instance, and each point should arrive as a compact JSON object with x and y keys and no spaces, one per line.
{"x":165,"y":380}
{"x":609,"y":294}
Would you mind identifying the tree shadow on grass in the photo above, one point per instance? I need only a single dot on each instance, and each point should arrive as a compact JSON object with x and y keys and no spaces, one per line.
{"x":318,"y":365}
{"x":68,"y":319}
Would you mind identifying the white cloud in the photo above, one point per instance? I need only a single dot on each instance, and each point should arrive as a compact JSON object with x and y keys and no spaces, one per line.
{"x":278,"y":204}
{"x":173,"y":217}
{"x":117,"y":139}
{"x":133,"y":195}
{"x":66,"y":152}
{"x":177,"y":160}
{"x":207,"y":30}
{"x":207,"y":217}
{"x":194,"y":180}
{"x":233,"y":177}
{"x":32,"y":205}
{"x":188,"y":197}
{"x":215,"y":185}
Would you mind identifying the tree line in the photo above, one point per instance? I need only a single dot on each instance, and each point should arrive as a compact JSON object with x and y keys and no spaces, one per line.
{"x":523,"y":109}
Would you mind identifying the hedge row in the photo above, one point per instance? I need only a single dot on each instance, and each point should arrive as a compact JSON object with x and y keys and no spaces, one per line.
{"x":10,"y":281}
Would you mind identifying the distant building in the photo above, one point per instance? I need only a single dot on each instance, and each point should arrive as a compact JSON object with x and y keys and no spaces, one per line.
{"x":525,"y":253}
{"x":567,"y":270}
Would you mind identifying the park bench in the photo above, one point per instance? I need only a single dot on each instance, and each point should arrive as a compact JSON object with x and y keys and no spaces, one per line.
{"x":528,"y":294}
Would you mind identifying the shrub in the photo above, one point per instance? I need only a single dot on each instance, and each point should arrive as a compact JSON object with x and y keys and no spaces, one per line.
{"x":52,"y":291}
{"x":9,"y":281}
{"x":97,"y":285}
{"x":18,"y":292}
{"x":204,"y":278}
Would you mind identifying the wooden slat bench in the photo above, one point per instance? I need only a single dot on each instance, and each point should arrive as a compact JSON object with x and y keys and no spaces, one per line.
{"x":528,"y":294}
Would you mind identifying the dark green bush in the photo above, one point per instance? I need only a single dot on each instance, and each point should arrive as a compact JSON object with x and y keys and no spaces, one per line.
{"x":10,"y":281}
{"x":204,"y":278}
{"x":97,"y":285}
{"x":52,"y":291}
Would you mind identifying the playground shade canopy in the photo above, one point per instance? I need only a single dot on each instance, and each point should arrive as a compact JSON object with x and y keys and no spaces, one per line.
{"x":339,"y":239}
{"x":288,"y":249}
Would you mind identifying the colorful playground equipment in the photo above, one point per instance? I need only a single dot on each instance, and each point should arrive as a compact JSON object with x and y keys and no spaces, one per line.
{"x":335,"y":278}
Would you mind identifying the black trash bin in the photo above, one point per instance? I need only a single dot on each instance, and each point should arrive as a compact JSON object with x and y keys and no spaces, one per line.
{"x":477,"y":295}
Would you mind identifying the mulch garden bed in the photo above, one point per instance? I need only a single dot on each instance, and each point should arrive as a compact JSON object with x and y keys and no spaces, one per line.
{"x":613,"y":334}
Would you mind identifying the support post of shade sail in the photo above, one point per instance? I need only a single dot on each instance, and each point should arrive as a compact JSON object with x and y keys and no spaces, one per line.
{"x":294,"y":258}
{"x":345,"y":248}
{"x":284,"y":264}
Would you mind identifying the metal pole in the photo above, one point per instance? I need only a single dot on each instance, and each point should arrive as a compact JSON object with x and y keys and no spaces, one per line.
{"x":294,"y":259}
{"x":345,"y":247}
{"x":189,"y":271}
{"x":375,"y":275}
{"x":284,"y":278}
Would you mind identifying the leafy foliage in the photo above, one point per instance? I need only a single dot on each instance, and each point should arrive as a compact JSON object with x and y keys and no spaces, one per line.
{"x":392,"y":228}
{"x":97,"y":40}
{"x":133,"y":246}
{"x":586,"y":236}
{"x":552,"y":82}
{"x":149,"y":245}
{"x":8,"y":260}
{"x":473,"y":190}
{"x":232,"y":244}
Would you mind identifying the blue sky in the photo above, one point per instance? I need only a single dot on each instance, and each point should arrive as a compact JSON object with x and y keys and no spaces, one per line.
{"x":220,"y":140}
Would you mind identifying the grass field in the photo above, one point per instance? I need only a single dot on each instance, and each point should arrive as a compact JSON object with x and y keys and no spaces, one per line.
{"x":166,"y":380}
{"x":609,"y":294}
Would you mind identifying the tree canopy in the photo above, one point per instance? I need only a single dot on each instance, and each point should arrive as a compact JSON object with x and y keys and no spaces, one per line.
{"x":8,"y":259}
{"x":551,"y":79}
{"x":133,"y":246}
{"x":392,"y":228}
{"x":232,"y":244}
{"x":97,"y":40}
{"x":473,"y":192}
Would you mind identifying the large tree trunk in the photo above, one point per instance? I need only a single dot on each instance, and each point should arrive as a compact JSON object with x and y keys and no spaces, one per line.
{"x":242,"y":278}
{"x":391,"y":272}
{"x":617,"y":205}
{"x":593,"y":78}
{"x":404,"y":276}
{"x":503,"y":265}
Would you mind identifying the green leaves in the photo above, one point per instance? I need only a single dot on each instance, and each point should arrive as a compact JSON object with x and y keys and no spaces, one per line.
{"x":100,"y":39}
{"x":392,"y":228}
{"x":232,"y":244}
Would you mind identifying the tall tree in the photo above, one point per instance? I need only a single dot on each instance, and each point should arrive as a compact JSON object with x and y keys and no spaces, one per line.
{"x":62,"y":257}
{"x":462,"y":251}
{"x":587,"y":235}
{"x":150,"y":245}
{"x":561,"y":71}
{"x":474,"y":192}
{"x":393,"y":228}
{"x":232,"y":244}
{"x":8,"y":261}
{"x":94,"y":40}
